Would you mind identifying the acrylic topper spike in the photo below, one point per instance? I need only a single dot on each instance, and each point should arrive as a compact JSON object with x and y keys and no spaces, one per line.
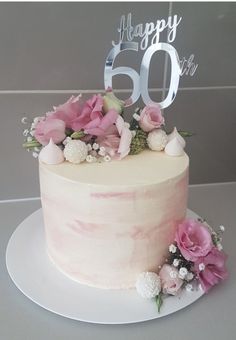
{"x":150,"y":42}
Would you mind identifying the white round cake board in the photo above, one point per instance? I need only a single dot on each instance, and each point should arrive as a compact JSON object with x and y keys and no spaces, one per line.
{"x":36,"y":277}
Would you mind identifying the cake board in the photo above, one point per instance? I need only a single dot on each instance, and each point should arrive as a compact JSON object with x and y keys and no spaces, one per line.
{"x":37,"y":278}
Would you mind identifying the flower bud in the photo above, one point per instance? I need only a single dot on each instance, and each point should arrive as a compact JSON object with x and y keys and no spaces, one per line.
{"x":110,"y":101}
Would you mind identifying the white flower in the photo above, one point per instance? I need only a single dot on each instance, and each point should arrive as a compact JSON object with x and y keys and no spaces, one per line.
{"x":66,"y":140}
{"x":172,"y":248}
{"x":157,"y":140}
{"x":201,"y":267}
{"x":107,"y":158}
{"x":136,"y":117}
{"x":32,"y":132}
{"x":189,"y":276}
{"x":219,"y":246}
{"x":127,"y":125}
{"x":133,"y":132}
{"x":89,"y":158}
{"x":29,"y":139}
{"x":173,"y":274}
{"x":222,"y":228}
{"x":24,"y":120}
{"x":189,"y":287}
{"x":89,"y":146}
{"x":176,"y":262}
{"x":102,"y":151}
{"x":37,"y":119}
{"x":148,"y":285}
{"x":25,"y":132}
{"x":95,"y":146}
{"x":35,"y":154}
{"x":75,"y":151}
{"x":183,"y":272}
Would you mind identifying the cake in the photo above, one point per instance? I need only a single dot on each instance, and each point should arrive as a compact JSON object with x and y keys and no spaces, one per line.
{"x":107,"y":222}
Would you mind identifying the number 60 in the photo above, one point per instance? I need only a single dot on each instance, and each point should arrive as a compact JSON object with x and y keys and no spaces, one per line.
{"x":140,"y":82}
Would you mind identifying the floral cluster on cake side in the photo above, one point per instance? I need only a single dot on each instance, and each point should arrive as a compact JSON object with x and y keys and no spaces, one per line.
{"x":196,"y":260}
{"x":95,"y":130}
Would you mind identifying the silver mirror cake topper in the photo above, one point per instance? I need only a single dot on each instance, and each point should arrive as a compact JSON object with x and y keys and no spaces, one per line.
{"x":149,"y":35}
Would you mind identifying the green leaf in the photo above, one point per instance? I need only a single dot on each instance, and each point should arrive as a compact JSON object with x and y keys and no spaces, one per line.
{"x":159,"y":302}
{"x":77,"y":134}
{"x":32,"y":144}
{"x":185,"y":133}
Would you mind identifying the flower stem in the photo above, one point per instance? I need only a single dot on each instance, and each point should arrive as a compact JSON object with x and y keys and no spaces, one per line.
{"x":159,"y":302}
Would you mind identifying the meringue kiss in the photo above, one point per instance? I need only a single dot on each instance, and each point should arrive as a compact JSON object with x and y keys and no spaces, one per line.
{"x":174,"y":134}
{"x":174,"y":148}
{"x":51,"y":154}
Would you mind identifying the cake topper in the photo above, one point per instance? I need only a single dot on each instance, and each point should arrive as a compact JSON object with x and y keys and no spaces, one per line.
{"x":150,"y":43}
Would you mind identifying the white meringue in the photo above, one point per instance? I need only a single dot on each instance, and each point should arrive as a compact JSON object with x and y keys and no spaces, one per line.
{"x":174,"y":148}
{"x":51,"y":154}
{"x":174,"y":134}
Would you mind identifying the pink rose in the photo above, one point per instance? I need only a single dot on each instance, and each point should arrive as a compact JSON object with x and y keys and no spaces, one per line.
{"x":48,"y":128}
{"x":170,"y":281}
{"x":91,"y":118}
{"x":117,"y":139}
{"x":151,"y":118}
{"x":214,"y":270}
{"x":68,"y":111}
{"x":193,"y":239}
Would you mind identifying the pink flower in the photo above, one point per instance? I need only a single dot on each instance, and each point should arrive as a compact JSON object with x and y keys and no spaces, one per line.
{"x":91,"y":118}
{"x":151,"y":118}
{"x":170,"y":281}
{"x":48,"y":128}
{"x":117,"y":139}
{"x":68,"y":111}
{"x":214,"y":270}
{"x":193,"y":239}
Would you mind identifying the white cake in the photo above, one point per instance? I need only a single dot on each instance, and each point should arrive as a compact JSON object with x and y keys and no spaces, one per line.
{"x":107,"y":222}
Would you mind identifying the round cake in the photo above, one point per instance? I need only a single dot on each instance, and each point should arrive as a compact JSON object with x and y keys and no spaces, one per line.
{"x":106,"y":222}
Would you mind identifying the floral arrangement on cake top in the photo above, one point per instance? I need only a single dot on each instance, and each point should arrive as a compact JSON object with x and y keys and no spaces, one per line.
{"x":95,"y":130}
{"x":196,"y":260}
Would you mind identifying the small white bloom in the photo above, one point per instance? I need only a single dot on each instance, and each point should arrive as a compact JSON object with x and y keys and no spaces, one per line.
{"x":24,"y":120}
{"x":25,"y":132}
{"x":89,"y":146}
{"x":89,"y":158}
{"x":148,"y":285}
{"x":173,"y":274}
{"x":136,"y":117}
{"x":222,"y":228}
{"x":75,"y":151}
{"x":176,"y":262}
{"x":201,"y":267}
{"x":95,"y":146}
{"x":157,"y":140}
{"x":127,"y":125}
{"x":102,"y":151}
{"x":219,"y":246}
{"x":189,"y":287}
{"x":172,"y":248}
{"x":66,"y":140}
{"x":183,"y":272}
{"x":37,"y":119}
{"x":133,"y":132}
{"x":32,"y":132}
{"x":189,"y":276}
{"x":29,"y":139}
{"x":35,"y":154}
{"x":107,"y":158}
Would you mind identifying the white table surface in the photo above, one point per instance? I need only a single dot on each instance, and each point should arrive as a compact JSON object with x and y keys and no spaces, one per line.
{"x":212,"y":317}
